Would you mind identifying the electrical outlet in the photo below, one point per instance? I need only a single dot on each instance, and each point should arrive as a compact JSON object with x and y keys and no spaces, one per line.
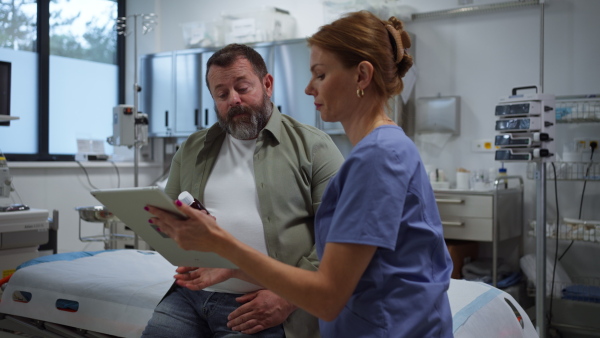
{"x":482,"y":146}
{"x":582,"y":145}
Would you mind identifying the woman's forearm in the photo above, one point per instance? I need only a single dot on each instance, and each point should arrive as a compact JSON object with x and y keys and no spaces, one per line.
{"x":322,"y":293}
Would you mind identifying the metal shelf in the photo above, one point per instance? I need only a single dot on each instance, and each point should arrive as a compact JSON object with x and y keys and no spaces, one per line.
{"x":569,"y":171}
{"x":476,"y":9}
{"x":578,"y":109}
{"x":571,"y":230}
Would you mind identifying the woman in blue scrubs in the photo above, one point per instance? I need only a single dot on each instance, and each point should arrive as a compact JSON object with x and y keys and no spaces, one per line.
{"x":385,"y":268}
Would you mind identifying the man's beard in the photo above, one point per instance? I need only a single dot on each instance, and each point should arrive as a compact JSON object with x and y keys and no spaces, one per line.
{"x":246,"y":127}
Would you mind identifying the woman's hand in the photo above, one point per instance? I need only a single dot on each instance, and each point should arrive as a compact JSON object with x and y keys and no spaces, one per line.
{"x":199,"y":231}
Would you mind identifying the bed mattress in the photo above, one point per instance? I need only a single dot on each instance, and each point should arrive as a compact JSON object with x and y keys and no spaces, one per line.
{"x":481,"y":310}
{"x":112,"y":292}
{"x":115,"y":293}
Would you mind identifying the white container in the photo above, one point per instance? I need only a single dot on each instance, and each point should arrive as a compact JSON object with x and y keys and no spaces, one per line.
{"x":202,"y":34}
{"x":258,"y":25}
{"x":462,"y":180}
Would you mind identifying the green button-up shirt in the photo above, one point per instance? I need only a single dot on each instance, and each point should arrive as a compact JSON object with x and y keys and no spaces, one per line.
{"x":293,"y":163}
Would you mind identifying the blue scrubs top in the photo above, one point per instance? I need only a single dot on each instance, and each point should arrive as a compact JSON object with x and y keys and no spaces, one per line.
{"x":382,"y":197}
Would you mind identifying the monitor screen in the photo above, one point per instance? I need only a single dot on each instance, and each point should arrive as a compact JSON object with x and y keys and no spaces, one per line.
{"x":4,"y":92}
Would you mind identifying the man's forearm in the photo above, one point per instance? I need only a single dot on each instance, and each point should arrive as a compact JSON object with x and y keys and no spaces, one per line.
{"x":239,"y":274}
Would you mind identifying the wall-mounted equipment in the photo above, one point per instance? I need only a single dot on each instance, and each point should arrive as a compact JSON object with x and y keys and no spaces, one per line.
{"x":439,"y":114}
{"x":526,"y":126}
{"x":130,"y":128}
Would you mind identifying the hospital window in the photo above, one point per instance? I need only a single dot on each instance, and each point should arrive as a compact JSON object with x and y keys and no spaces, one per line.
{"x":66,"y":74}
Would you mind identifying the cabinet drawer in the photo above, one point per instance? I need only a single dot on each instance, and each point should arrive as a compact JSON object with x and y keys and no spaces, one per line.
{"x":472,"y":229}
{"x":465,"y":205}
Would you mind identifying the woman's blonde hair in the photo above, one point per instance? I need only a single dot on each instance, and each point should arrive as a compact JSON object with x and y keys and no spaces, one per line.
{"x":361,"y":36}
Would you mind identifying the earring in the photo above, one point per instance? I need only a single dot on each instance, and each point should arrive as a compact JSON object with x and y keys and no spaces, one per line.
{"x":360,"y":93}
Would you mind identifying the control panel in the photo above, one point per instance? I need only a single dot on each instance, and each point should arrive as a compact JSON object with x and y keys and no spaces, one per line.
{"x":525,"y":123}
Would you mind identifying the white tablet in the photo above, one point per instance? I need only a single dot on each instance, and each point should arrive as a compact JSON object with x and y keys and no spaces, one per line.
{"x":128,"y":205}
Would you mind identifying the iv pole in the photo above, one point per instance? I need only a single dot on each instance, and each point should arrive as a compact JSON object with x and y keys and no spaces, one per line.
{"x":540,"y":229}
{"x":148,"y":23}
{"x":140,"y":135}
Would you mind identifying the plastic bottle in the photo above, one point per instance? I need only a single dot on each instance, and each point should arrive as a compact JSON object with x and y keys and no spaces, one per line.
{"x":188,"y":199}
{"x":501,"y":174}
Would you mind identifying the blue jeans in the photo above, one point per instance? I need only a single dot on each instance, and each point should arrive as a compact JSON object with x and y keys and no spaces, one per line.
{"x":187,"y":313}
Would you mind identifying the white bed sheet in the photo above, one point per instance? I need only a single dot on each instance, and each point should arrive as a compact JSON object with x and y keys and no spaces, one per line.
{"x":480,"y":310}
{"x":117,"y":291}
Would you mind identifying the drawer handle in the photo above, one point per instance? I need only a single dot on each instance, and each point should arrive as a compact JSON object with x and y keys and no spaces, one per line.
{"x":453,"y":224}
{"x":449,"y":200}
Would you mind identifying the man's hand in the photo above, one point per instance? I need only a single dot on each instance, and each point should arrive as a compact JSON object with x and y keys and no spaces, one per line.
{"x":261,"y":310}
{"x":200,"y":278}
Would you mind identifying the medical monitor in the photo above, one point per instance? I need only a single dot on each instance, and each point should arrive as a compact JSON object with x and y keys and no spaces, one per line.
{"x":5,"y":68}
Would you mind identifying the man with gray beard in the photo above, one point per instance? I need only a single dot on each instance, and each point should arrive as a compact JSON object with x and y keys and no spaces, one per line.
{"x":261,"y":174}
{"x":256,"y":119}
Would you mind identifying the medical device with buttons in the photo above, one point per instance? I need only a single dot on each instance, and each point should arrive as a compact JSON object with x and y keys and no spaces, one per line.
{"x":526,"y":126}
{"x":130,"y":127}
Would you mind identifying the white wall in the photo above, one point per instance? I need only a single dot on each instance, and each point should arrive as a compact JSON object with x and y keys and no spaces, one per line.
{"x":63,"y":186}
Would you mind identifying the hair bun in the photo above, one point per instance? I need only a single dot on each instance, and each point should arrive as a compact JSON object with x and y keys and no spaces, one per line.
{"x":396,"y":41}
{"x":404,"y":65}
{"x":405,"y":39}
{"x":396,"y":23}
{"x":402,"y":41}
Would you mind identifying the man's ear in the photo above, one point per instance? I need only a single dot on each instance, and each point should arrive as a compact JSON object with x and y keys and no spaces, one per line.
{"x":365,"y":74}
{"x":268,"y":84}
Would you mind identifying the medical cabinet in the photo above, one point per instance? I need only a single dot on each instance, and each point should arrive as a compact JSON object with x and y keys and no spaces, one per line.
{"x":492,"y":216}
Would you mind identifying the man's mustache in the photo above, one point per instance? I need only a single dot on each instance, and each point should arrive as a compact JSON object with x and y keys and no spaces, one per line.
{"x":238,"y":110}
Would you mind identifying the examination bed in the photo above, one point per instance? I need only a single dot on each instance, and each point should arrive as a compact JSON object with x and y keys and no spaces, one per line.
{"x":114,"y":292}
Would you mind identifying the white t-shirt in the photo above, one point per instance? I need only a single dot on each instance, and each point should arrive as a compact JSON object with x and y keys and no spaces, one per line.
{"x":230,"y":195}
